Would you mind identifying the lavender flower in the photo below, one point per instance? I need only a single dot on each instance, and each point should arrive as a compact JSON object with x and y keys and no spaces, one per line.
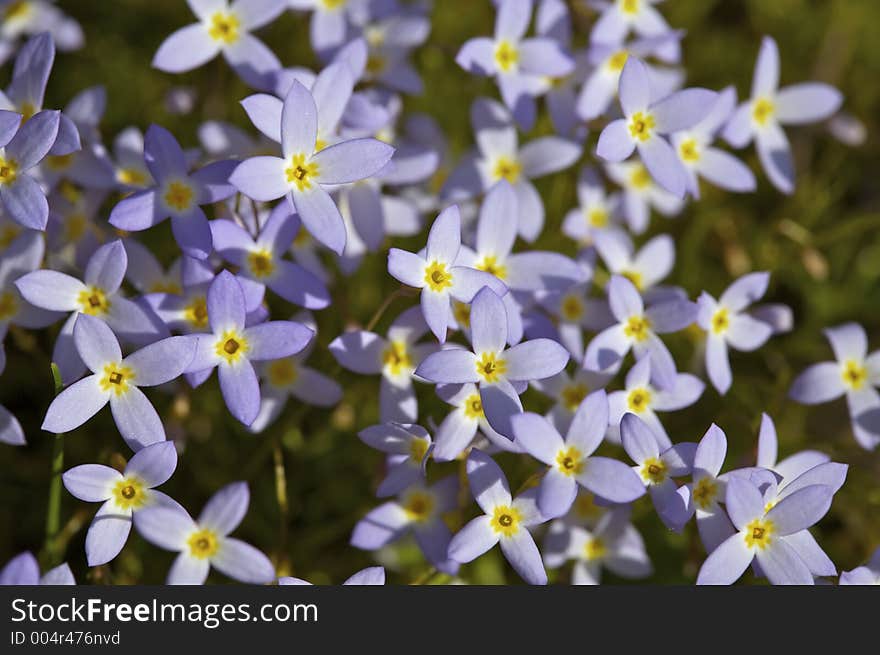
{"x":373,"y":575}
{"x":23,"y":569}
{"x":408,"y":448}
{"x":641,"y":194}
{"x":459,"y":429}
{"x":864,"y":575}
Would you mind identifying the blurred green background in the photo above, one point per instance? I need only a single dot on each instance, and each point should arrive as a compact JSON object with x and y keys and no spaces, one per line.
{"x":820,"y":244}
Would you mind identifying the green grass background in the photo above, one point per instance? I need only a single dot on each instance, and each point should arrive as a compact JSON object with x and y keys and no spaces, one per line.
{"x":820,"y":244}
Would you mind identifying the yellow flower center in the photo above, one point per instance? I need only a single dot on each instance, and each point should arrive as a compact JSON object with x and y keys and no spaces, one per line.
{"x":396,"y":358}
{"x":333,"y":4}
{"x":376,"y":63}
{"x":128,"y":493}
{"x":131,"y":177}
{"x":572,"y":308}
{"x":473,"y":407}
{"x":462,"y":313}
{"x":59,"y":162}
{"x":320,"y":144}
{"x":597,"y":217}
{"x":653,"y":470}
{"x":630,"y":7}
{"x":617,"y":61}
{"x":758,"y":533}
{"x":720,"y":320}
{"x":573,"y":395}
{"x":8,"y":305}
{"x":8,"y":170}
{"x":705,"y":492}
{"x":8,"y":233}
{"x":595,"y":549}
{"x":763,"y":110}
{"x":93,"y":301}
{"x":640,"y":178}
{"x":231,"y":346}
{"x":570,"y":461}
{"x":638,"y":400}
{"x":689,"y":151}
{"x":300,"y":172}
{"x":854,"y":374}
{"x":203,"y":543}
{"x":506,"y":520}
{"x":641,"y":125}
{"x":196,"y":312}
{"x":490,"y":264}
{"x":116,"y":378}
{"x":418,"y":448}
{"x":179,"y":196}
{"x":224,"y":27}
{"x":635,"y":277}
{"x":506,"y":56}
{"x":491,"y":367}
{"x":167,"y":286}
{"x":261,"y":263}
{"x":437,"y":277}
{"x":506,"y":168}
{"x":282,"y":372}
{"x":17,"y":10}
{"x":418,"y":505}
{"x":637,"y":328}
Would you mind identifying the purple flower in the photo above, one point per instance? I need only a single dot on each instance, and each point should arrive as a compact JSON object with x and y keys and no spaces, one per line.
{"x":11,"y":432}
{"x":646,"y":119}
{"x":408,"y":448}
{"x":515,"y":62}
{"x":223,"y":28}
{"x":438,"y":274}
{"x":864,"y":575}
{"x":640,"y":194}
{"x":330,"y":26}
{"x":643,"y":399}
{"x":576,"y":310}
{"x":790,"y":467}
{"x":763,"y":534}
{"x":118,"y":381}
{"x":502,"y":373}
{"x":122,"y":494}
{"x":23,"y":570}
{"x":614,"y":544}
{"x":206,"y":542}
{"x":646,"y":268}
{"x":596,"y":211}
{"x":231,"y":346}
{"x":177,"y":194}
{"x":419,"y":509}
{"x":98,"y":295}
{"x":637,"y":329}
{"x":395,"y":358}
{"x":571,"y":459}
{"x":855,"y":374}
{"x":727,"y":324}
{"x":619,"y":17}
{"x":457,"y":431}
{"x":769,"y":108}
{"x":657,"y":467}
{"x":373,"y":575}
{"x":568,"y":392}
{"x":505,"y":520}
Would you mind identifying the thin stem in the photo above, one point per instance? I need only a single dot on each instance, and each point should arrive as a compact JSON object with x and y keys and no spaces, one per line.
{"x":53,"y":512}
{"x":400,"y":291}
{"x":425,"y":577}
{"x":283,"y":505}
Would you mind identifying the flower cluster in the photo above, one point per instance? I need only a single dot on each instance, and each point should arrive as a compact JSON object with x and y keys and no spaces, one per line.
{"x":270,"y":225}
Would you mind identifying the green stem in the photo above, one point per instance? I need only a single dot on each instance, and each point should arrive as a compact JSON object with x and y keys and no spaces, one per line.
{"x":53,"y":513}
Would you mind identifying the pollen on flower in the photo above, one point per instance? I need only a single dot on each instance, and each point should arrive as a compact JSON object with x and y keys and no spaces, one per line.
{"x":8,"y":170}
{"x":572,"y":308}
{"x":705,"y":492}
{"x":506,"y":168}
{"x":462,"y":314}
{"x":638,"y":400}
{"x":637,"y":328}
{"x":640,"y":178}
{"x":396,"y":358}
{"x":8,"y":305}
{"x":641,"y":126}
{"x":618,"y":60}
{"x":689,"y":151}
{"x":854,"y":374}
{"x":203,"y":543}
{"x":224,"y":27}
{"x":437,"y":276}
{"x":231,"y":346}
{"x":594,"y":549}
{"x":179,"y":196}
{"x":506,"y":56}
{"x":300,"y":173}
{"x":759,"y":533}
{"x":506,"y":520}
{"x":570,"y":461}
{"x":261,"y":263}
{"x":491,"y":367}
{"x":597,"y":217}
{"x":418,"y":505}
{"x":116,"y":378}
{"x":763,"y":110}
{"x":418,"y":448}
{"x":131,"y":177}
{"x":573,"y":395}
{"x":196,"y":312}
{"x":93,"y":301}
{"x":635,"y":277}
{"x":128,"y":493}
{"x":473,"y":407}
{"x":653,"y":470}
{"x":282,"y":372}
{"x":630,"y":7}
{"x":491,"y":265}
{"x":720,"y":320}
